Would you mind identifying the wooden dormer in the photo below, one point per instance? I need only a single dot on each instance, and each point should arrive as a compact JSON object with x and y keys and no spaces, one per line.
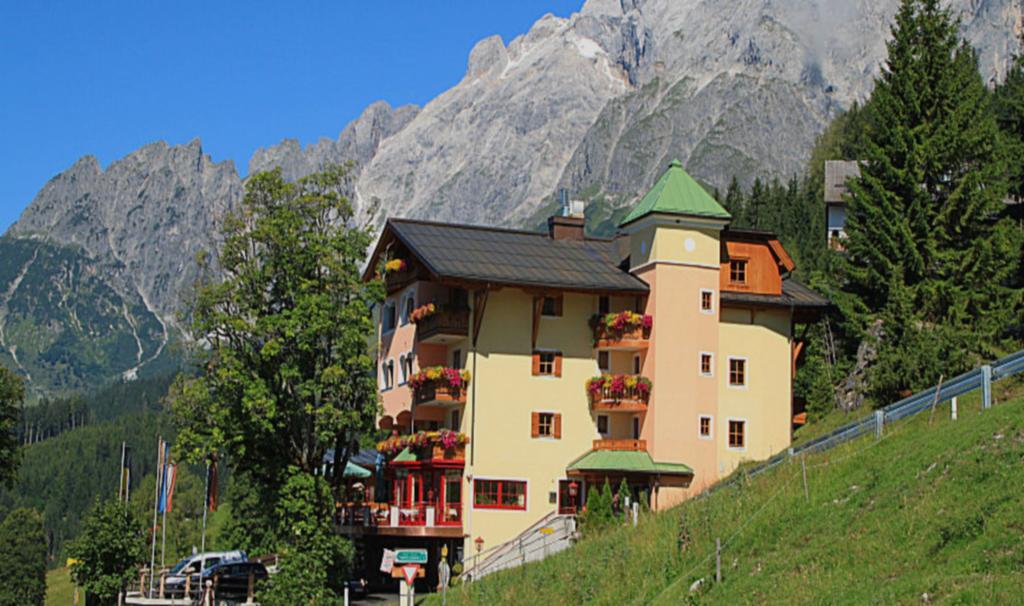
{"x":753,"y":262}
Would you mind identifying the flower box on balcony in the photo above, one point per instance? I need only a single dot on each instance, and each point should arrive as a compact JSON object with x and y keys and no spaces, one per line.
{"x":440,"y":385}
{"x":624,"y":329}
{"x":619,"y":392}
{"x":443,"y":444}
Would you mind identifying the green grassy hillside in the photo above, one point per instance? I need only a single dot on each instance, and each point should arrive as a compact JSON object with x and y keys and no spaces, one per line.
{"x":934,"y":509}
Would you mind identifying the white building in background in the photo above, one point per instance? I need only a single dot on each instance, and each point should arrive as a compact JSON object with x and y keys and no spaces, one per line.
{"x":836,"y":174}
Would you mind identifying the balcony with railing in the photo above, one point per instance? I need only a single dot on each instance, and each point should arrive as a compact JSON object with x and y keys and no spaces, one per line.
{"x":440,"y":323}
{"x":439,"y":386}
{"x":397,"y":273}
{"x":622,"y":331}
{"x":619,"y":393}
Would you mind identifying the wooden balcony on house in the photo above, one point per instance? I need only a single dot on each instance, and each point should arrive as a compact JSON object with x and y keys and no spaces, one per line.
{"x":617,"y":444}
{"x":443,"y":396}
{"x":624,"y":331}
{"x":620,"y":393}
{"x":443,"y":326}
{"x":395,"y":280}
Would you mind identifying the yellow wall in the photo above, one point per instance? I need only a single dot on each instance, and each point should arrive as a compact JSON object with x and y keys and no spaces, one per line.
{"x":763,"y":338}
{"x":505,"y":393}
{"x":676,"y":242}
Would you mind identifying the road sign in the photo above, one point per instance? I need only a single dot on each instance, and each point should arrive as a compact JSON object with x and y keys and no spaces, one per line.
{"x":387,"y":562}
{"x":410,"y":572}
{"x":410,"y":556}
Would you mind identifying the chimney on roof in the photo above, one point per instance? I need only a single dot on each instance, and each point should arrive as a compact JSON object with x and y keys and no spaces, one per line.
{"x":568,"y":224}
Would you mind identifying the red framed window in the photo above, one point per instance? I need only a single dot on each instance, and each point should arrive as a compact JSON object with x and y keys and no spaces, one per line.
{"x":499,"y":494}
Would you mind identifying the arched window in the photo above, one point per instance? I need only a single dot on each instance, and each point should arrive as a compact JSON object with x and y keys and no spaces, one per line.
{"x":407,"y":307}
{"x":391,"y":373}
{"x":402,"y":367}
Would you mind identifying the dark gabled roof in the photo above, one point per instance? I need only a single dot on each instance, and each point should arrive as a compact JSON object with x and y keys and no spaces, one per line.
{"x":521,"y":258}
{"x":794,"y":294}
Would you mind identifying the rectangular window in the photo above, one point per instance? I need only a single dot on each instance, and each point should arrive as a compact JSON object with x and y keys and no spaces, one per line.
{"x":455,"y":420}
{"x":636,"y":364}
{"x":546,"y":425}
{"x":636,"y":428}
{"x":737,"y":372}
{"x":738,"y":271}
{"x":547,"y":363}
{"x":604,"y":305}
{"x":706,"y":364}
{"x":705,"y":426}
{"x":457,"y":359}
{"x":552,"y":306}
{"x":389,"y":317}
{"x":737,"y":431}
{"x":707,"y":301}
{"x":602,"y":424}
{"x":499,"y":494}
{"x":604,"y":361}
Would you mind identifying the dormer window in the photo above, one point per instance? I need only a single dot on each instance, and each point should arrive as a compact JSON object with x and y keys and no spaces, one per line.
{"x":738,"y":271}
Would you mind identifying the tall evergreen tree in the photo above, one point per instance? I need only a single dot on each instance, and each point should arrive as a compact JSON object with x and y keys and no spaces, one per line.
{"x":12,"y":394}
{"x":22,"y":559}
{"x":929,"y":197}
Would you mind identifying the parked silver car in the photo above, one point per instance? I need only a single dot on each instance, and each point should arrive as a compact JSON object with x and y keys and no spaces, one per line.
{"x":193,"y":565}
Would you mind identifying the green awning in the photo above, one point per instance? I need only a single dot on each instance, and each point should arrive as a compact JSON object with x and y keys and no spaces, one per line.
{"x":626,"y":461}
{"x":677,"y":193}
{"x":406,"y":456}
{"x":353,"y":471}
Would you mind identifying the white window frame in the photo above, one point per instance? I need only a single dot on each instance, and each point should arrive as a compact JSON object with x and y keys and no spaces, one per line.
{"x":700,"y":362}
{"x":607,"y":425}
{"x":746,"y":434}
{"x":746,"y":373}
{"x":700,"y":301}
{"x":711,"y":427}
{"x":403,"y":318}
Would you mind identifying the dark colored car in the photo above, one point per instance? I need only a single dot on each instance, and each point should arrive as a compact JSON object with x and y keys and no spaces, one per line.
{"x":231,"y":579}
{"x":356,"y":588}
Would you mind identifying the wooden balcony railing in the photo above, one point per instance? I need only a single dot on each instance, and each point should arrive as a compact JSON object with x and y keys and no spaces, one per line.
{"x":452,"y":323}
{"x":433,"y":393}
{"x":387,"y":515}
{"x":609,"y":444}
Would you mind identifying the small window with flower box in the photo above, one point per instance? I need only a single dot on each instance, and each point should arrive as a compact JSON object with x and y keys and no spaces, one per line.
{"x":499,"y":494}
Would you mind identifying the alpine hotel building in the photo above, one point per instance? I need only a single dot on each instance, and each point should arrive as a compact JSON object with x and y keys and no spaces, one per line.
{"x":517,"y":369}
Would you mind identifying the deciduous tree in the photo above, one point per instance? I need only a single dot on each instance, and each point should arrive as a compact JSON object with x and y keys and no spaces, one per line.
{"x":22,"y":559}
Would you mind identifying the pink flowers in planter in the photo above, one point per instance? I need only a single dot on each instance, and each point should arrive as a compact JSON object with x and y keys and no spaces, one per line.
{"x":620,"y":323}
{"x":439,"y":376}
{"x":617,"y":387}
{"x":421,"y":312}
{"x":445,"y":438}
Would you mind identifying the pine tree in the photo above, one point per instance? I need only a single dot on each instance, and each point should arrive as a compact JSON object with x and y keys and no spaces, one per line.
{"x":734,"y":199}
{"x":22,"y":559}
{"x":928,"y":200}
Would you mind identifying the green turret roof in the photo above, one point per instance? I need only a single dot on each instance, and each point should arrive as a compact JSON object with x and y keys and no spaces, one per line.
{"x":677,"y":193}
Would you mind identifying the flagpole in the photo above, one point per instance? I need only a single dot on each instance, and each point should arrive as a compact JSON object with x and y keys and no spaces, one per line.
{"x":206,"y":506}
{"x":156,"y":504}
{"x":163,"y":526}
{"x":120,"y":476}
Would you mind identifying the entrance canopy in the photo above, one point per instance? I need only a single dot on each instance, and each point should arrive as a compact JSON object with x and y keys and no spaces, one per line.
{"x":638,"y":462}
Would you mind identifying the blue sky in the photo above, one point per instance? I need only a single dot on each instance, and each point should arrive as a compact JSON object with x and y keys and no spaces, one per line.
{"x":104,"y":78}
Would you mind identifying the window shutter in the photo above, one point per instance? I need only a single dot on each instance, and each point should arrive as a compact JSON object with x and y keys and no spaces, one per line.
{"x":536,"y":363}
{"x":558,"y":364}
{"x":557,"y":430}
{"x":534,"y":425}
